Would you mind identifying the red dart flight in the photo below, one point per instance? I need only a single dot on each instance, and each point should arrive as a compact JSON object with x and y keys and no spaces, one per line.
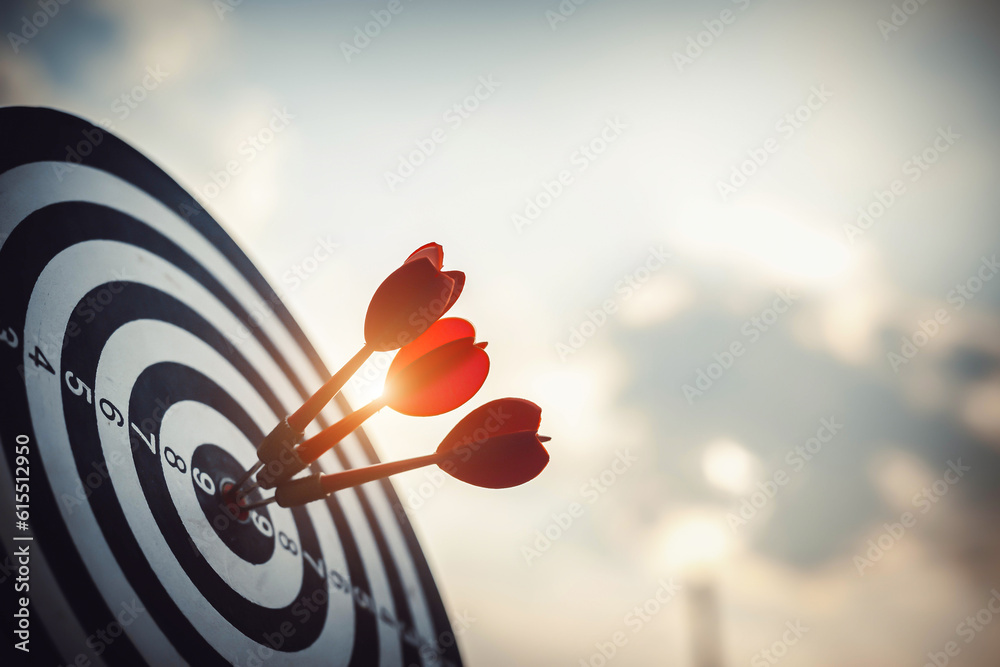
{"x":496,"y":446}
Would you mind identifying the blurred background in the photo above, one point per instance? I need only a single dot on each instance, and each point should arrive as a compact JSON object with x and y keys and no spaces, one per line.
{"x":741,"y":253}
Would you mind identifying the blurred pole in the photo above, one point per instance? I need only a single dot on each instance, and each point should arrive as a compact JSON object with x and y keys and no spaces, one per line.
{"x":704,"y":622}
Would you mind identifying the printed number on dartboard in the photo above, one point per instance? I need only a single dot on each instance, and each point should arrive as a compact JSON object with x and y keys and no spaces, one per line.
{"x":171,"y":459}
{"x":78,"y":387}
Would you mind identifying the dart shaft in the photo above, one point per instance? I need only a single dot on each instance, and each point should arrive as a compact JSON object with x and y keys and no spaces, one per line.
{"x":283,"y":465}
{"x":314,"y":487}
{"x":250,"y":489}
{"x":245,"y":477}
{"x":277,"y":450}
{"x":312,"y":407}
{"x":343,"y":480}
{"x":314,"y":447}
{"x":260,"y":503}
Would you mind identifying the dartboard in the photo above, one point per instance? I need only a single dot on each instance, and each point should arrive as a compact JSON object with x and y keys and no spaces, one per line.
{"x":142,"y":359}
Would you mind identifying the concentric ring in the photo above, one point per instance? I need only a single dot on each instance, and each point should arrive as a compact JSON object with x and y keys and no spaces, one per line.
{"x":134,"y":326}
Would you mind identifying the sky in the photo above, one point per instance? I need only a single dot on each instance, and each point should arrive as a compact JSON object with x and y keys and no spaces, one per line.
{"x":741,"y":253}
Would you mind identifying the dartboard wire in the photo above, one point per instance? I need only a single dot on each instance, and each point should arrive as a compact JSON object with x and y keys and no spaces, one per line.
{"x":208,"y":228}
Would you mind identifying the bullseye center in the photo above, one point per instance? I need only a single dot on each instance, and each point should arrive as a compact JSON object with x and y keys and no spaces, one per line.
{"x":248,"y":533}
{"x":235,"y":504}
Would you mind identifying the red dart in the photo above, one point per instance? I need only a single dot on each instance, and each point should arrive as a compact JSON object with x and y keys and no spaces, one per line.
{"x":412,"y":298}
{"x":436,"y":373}
{"x":407,"y":302}
{"x":496,"y":446}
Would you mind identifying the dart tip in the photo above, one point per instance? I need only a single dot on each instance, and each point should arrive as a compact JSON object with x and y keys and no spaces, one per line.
{"x":543,"y":438}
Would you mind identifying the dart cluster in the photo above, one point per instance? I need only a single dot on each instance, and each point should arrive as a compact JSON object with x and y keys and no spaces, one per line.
{"x":439,"y":366}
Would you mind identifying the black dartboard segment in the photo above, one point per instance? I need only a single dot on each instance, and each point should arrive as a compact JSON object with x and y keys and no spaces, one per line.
{"x":142,"y":357}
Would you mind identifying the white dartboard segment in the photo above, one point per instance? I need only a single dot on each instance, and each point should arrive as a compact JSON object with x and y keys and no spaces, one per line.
{"x":142,"y":356}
